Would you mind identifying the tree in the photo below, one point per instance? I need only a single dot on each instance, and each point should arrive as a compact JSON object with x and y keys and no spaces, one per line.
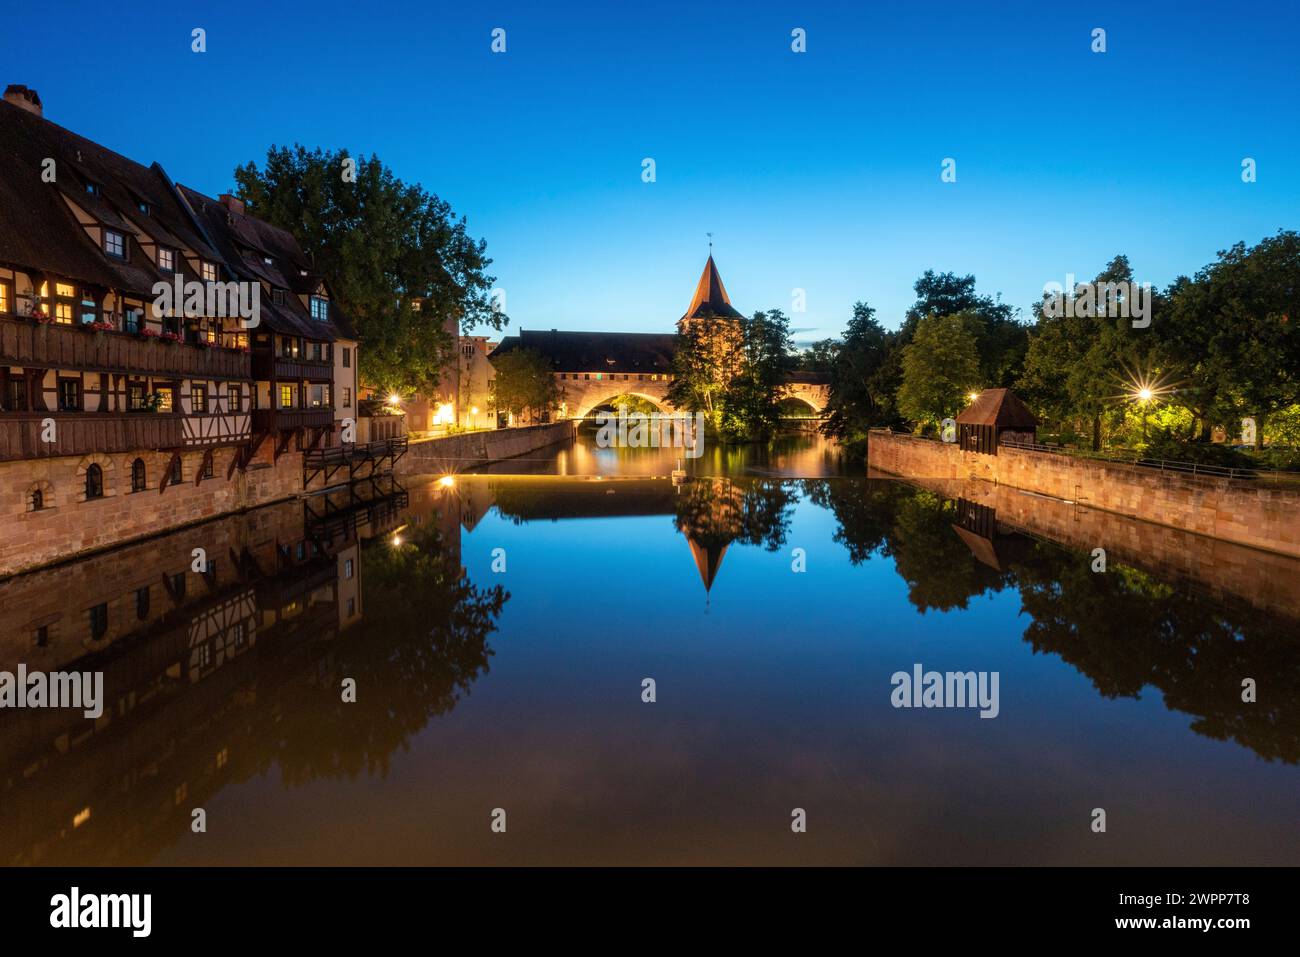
{"x":859,"y":398}
{"x":397,"y":259}
{"x":752,"y":398}
{"x":702,"y":367}
{"x":1083,"y":367}
{"x":940,"y":367}
{"x":523,"y":384}
{"x":818,"y":357}
{"x":1232,"y":335}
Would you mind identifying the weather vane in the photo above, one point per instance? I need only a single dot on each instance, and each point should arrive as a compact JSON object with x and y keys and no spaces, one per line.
{"x":710,"y":235}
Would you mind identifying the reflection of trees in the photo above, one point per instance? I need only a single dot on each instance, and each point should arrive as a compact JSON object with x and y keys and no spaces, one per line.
{"x":1123,"y":629}
{"x":420,"y":645}
{"x":914,"y":528}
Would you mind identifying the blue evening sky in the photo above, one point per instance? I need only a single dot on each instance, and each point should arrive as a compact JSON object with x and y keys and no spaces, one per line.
{"x":818,"y":171}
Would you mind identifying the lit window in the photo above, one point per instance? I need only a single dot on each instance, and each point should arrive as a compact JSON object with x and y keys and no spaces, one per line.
{"x":114,"y":243}
{"x":6,"y":298}
{"x":209,"y":272}
{"x":286,"y":397}
{"x":234,"y":398}
{"x":167,"y":259}
{"x":347,"y":397}
{"x":198,"y":399}
{"x":320,"y":309}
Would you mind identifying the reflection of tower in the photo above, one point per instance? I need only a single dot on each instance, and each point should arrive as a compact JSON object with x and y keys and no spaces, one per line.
{"x":710,"y":514}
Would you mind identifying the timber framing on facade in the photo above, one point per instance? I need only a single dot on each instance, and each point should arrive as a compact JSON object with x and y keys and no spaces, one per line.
{"x":107,"y":387}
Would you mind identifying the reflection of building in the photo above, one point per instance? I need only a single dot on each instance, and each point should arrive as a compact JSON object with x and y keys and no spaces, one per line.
{"x":163,"y":635}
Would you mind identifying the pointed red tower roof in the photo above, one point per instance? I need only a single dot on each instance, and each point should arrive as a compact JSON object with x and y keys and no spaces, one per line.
{"x":711,"y":300}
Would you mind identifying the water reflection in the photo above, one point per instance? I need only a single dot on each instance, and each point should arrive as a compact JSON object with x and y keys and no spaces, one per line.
{"x":214,"y":678}
{"x":216,"y":681}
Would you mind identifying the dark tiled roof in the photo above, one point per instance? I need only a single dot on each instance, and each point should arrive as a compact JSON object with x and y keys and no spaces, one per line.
{"x":597,"y":351}
{"x":711,"y":300}
{"x":38,"y":229}
{"x":245,"y":242}
{"x":998,"y":407}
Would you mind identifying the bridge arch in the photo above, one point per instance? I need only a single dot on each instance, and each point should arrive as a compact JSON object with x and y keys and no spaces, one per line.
{"x":591,"y":402}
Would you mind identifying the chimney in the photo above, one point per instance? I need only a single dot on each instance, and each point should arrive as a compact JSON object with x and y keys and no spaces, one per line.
{"x":231,"y":203}
{"x":23,"y":98}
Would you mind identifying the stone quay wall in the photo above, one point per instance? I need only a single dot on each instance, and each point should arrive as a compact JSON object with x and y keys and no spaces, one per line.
{"x":1234,"y":510}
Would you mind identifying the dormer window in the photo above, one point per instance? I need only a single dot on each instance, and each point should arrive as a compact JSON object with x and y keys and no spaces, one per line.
{"x":268,"y":260}
{"x":209,"y":272}
{"x":114,"y":243}
{"x":92,"y":188}
{"x":277,"y":296}
{"x":320,"y":308}
{"x":143,"y":207}
{"x":167,"y":260}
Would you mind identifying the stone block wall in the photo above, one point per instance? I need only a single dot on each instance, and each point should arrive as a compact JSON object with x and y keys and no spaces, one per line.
{"x":1234,"y":510}
{"x":456,"y":453}
{"x":68,"y":523}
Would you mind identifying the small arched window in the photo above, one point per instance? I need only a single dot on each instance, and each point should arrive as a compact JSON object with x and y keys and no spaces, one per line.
{"x":137,"y":476}
{"x":36,"y":499}
{"x":94,"y":482}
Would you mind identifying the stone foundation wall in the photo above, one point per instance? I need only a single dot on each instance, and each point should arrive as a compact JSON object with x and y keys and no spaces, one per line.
{"x":1234,"y":510}
{"x":456,"y":453}
{"x":70,"y":524}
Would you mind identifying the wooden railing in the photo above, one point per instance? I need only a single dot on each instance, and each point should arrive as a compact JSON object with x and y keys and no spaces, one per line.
{"x":270,"y":420}
{"x":24,"y":435}
{"x":266,"y":366}
{"x":51,"y":345}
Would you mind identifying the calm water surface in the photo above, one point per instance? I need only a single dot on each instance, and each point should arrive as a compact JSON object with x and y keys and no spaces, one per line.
{"x":521,"y":688}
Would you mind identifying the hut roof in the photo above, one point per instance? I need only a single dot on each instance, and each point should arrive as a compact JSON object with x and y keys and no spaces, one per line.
{"x":998,"y":407}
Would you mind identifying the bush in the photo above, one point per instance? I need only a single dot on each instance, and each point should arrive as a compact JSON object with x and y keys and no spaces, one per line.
{"x":1166,"y":445}
{"x":1286,"y":459}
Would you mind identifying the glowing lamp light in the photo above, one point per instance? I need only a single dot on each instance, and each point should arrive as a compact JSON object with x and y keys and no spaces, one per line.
{"x":394,"y":399}
{"x":445,"y":414}
{"x":1145,"y":395}
{"x":446,"y":481}
{"x":973,"y":396}
{"x":473,"y":410}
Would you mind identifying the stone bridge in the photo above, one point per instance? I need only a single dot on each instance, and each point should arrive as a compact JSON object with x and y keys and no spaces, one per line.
{"x":581,"y":395}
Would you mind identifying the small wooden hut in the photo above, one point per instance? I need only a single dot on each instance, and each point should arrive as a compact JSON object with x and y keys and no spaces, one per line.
{"x":996,"y":416}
